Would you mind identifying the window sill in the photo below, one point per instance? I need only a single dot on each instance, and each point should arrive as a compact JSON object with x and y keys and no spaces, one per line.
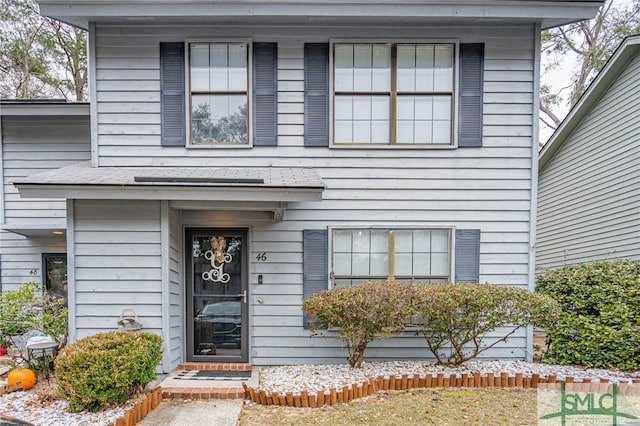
{"x":220,"y":146}
{"x":393,"y":147}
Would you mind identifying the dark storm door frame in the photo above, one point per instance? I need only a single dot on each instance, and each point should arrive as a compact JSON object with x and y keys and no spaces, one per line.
{"x":243,"y":295}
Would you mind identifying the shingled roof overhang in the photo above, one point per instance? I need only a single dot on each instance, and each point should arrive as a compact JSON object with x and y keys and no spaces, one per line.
{"x":548,"y":13}
{"x":81,"y":181}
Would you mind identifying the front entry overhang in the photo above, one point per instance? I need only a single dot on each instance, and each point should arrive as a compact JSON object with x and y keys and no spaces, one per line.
{"x":269,"y":188}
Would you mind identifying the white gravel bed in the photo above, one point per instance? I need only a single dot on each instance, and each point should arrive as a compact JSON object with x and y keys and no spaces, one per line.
{"x":24,"y":406}
{"x":313,"y":378}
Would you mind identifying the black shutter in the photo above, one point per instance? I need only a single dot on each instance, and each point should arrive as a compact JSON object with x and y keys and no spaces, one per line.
{"x":470,"y":95}
{"x":316,"y":94}
{"x":467,"y":255}
{"x":315,"y":255}
{"x":265,"y":96}
{"x":172,"y":93}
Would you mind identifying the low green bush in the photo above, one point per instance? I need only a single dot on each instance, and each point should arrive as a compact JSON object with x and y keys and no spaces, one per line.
{"x":107,"y":368}
{"x":600,"y":324}
{"x":362,"y":313}
{"x":455,"y":319}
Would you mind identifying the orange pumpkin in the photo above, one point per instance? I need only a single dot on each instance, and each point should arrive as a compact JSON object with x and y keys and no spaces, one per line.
{"x":24,"y":376}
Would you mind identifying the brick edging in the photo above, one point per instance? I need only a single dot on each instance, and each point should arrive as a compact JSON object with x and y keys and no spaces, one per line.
{"x":475,"y":380}
{"x":140,"y":410}
{"x":131,"y":417}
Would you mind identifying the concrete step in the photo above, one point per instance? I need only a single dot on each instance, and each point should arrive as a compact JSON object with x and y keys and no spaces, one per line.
{"x":229,"y":388}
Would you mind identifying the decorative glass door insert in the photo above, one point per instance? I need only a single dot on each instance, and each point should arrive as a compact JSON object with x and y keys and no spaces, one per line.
{"x":217,"y":294}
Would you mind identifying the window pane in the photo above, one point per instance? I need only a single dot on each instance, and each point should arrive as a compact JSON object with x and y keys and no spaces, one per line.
{"x":362,"y":56}
{"x":219,"y":118}
{"x":380,"y":131}
{"x":362,"y":61}
{"x":343,"y":132}
{"x":405,"y":108}
{"x":342,"y":263}
{"x":443,"y":68}
{"x":199,"y":67}
{"x":362,"y":107}
{"x":442,"y":108}
{"x":362,"y":131}
{"x":441,"y":132}
{"x":361,"y":240}
{"x":341,"y":241}
{"x":379,"y":264}
{"x":360,"y":264}
{"x":421,"y":241}
{"x":440,"y":241}
{"x":380,"y":108}
{"x":406,"y":68}
{"x":424,"y":107}
{"x":439,"y":264}
{"x":404,"y":241}
{"x":218,"y":58}
{"x":423,"y":131}
{"x":424,"y":68}
{"x":403,"y":264}
{"x":343,"y":67}
{"x":421,"y":264}
{"x":404,"y":132}
{"x":362,"y":79}
{"x":381,"y":68}
{"x":379,"y":241}
{"x":344,"y":107}
{"x":238,"y":67}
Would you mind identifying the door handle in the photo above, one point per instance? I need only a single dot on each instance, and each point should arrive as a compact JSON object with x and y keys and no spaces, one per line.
{"x":243,"y":295}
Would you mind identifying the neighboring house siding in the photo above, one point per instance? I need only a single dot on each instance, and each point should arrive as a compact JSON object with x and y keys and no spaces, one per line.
{"x":32,"y":144}
{"x":117,"y":264}
{"x":36,"y":144}
{"x":486,"y":188}
{"x":589,"y":197}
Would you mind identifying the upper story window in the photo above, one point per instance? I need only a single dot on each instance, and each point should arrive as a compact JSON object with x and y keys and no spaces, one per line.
{"x":361,"y":255}
{"x":218,"y":93}
{"x":388,"y":93}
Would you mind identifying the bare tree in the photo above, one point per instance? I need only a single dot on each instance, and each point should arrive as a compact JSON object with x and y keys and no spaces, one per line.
{"x":591,"y":43}
{"x":40,"y":57}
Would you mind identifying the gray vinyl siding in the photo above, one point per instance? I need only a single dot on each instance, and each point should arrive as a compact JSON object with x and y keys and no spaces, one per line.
{"x":486,"y":188}
{"x":176,"y":289}
{"x":589,"y":196}
{"x":117,"y":262}
{"x":37,"y":144}
{"x":21,"y":257}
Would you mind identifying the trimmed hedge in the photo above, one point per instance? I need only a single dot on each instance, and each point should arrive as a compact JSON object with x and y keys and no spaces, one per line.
{"x":453,"y":318}
{"x":600,"y":324}
{"x":362,"y":313}
{"x":107,"y":368}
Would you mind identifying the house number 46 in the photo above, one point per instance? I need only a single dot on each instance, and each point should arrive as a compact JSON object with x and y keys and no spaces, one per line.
{"x":261,"y":257}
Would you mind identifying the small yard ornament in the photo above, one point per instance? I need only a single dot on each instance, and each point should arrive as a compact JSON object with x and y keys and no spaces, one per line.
{"x":218,"y":258}
{"x":128,"y":320}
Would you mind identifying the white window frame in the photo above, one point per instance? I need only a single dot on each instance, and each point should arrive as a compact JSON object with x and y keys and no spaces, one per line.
{"x":187,"y":58}
{"x":450,"y":254}
{"x":390,"y":145}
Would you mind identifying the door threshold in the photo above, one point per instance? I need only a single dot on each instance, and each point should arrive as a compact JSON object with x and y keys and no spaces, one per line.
{"x":233,"y":366}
